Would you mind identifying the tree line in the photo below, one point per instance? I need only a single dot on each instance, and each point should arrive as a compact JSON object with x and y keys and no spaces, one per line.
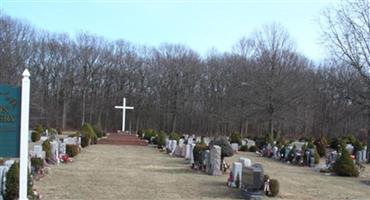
{"x":264,"y":85}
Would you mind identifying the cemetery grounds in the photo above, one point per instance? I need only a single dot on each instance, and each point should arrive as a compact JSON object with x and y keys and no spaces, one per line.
{"x":134,"y":172}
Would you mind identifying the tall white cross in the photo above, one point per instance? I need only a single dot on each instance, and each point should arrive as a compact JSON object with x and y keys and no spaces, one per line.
{"x":124,"y":107}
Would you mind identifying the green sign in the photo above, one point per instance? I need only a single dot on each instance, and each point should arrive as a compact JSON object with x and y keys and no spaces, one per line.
{"x":10,"y":105}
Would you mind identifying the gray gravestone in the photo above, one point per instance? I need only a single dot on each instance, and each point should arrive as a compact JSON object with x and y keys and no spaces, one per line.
{"x":252,"y":182}
{"x":312,"y":161}
{"x":359,"y":156}
{"x":215,"y":161}
{"x":187,"y":151}
{"x":235,"y":147}
{"x":364,"y":155}
{"x":191,"y":153}
{"x":183,"y":151}
{"x":62,"y":148}
{"x":206,"y":158}
{"x":250,"y":143}
{"x":173,"y":146}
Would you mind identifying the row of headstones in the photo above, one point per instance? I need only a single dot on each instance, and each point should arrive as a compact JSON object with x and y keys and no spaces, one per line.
{"x":283,"y":153}
{"x":245,"y":142}
{"x":360,"y":157}
{"x":211,"y":159}
{"x":280,"y":154}
{"x":58,"y":148}
{"x":172,"y":144}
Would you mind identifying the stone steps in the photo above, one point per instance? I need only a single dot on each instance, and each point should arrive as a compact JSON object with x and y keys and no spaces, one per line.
{"x":123,"y":139}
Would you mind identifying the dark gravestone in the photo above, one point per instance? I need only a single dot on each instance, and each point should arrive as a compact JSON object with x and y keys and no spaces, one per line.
{"x":368,"y":146}
{"x":252,"y":182}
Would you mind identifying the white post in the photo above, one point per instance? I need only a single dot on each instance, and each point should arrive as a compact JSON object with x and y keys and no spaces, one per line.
{"x":25,"y":108}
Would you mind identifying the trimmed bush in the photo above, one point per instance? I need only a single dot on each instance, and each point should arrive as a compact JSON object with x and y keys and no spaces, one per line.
{"x":269,"y":138}
{"x":85,"y":142}
{"x":321,"y":144}
{"x":35,"y":136}
{"x":161,"y":139}
{"x":72,"y":150}
{"x":98,"y":130}
{"x":12,"y":183}
{"x":36,"y":133}
{"x":244,"y":148}
{"x":260,"y":142}
{"x":357,"y":146}
{"x":37,"y":164}
{"x":174,"y":136}
{"x":348,"y":139}
{"x":47,"y":148}
{"x":39,"y":129}
{"x":140,"y":133}
{"x":274,"y":187}
{"x":197,"y":152}
{"x":316,"y":157}
{"x":281,"y":142}
{"x":252,"y":149}
{"x":334,"y":143}
{"x":236,"y":138}
{"x":344,"y":166}
{"x":226,"y":150}
{"x":88,"y":135}
{"x":149,"y":133}
{"x":52,"y":131}
{"x":310,"y":145}
{"x":60,"y":132}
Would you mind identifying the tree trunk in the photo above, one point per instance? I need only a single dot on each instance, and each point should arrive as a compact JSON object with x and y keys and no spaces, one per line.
{"x":83,"y":107}
{"x":174,"y":119}
{"x":64,"y":115}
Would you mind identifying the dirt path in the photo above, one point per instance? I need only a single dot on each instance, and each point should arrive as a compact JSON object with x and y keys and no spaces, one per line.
{"x":132,"y":172}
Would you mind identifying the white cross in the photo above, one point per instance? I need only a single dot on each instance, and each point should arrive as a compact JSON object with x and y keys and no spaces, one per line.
{"x":124,"y":107}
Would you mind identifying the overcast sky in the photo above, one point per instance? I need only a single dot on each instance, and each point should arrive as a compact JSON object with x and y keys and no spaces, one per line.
{"x":201,"y":25}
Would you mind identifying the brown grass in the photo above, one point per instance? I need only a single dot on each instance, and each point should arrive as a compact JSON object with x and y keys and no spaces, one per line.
{"x":132,"y":172}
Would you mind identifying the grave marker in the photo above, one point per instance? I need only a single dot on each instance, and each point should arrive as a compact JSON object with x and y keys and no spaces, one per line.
{"x":252,"y":181}
{"x":215,"y":161}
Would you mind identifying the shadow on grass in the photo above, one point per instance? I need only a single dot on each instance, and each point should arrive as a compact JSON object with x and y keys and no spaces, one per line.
{"x":174,"y":171}
{"x":223,"y":192}
{"x":220,"y":189}
{"x":366,"y":182}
